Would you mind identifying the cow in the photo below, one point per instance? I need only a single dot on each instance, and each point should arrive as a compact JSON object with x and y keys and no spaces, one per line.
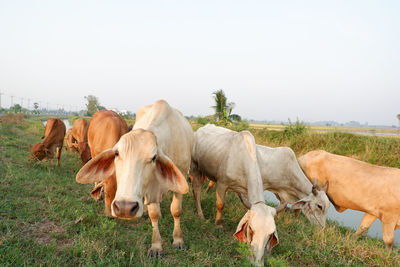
{"x":69,"y":140}
{"x":282,"y":175}
{"x":80,"y":135}
{"x":105,"y":129}
{"x":357,"y":185}
{"x":230,"y":159}
{"x":147,"y":162}
{"x":53,"y":138}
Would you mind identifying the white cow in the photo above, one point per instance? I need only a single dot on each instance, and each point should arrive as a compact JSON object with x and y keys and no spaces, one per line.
{"x":148,"y":161}
{"x":282,"y":175}
{"x":229,"y":158}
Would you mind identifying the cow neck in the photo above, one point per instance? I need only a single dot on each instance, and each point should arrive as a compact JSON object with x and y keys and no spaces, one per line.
{"x":46,"y":141}
{"x":255,"y":185}
{"x":303,"y":185}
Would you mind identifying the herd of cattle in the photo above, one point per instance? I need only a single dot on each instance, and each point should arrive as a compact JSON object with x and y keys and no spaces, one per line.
{"x":136,"y":167}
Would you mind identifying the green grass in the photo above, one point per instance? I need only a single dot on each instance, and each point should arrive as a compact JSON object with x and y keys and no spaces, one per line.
{"x":46,"y":218}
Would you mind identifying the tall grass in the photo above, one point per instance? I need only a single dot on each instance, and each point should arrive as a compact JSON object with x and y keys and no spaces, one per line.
{"x":373,"y":149}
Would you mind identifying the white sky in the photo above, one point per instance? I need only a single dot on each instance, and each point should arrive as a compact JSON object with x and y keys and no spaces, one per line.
{"x":315,"y":60}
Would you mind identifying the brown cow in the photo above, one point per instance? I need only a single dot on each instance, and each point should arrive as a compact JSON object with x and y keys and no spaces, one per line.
{"x":105,"y":129}
{"x":80,"y":130}
{"x":69,"y":140}
{"x":80,"y":136}
{"x":358,"y":185}
{"x":54,"y":133}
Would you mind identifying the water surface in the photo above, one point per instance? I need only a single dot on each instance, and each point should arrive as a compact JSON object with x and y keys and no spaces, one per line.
{"x":66,"y":122}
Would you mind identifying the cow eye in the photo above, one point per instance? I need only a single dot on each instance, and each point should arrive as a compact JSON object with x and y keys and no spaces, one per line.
{"x":154,"y":158}
{"x":319,"y":206}
{"x":116,"y":153}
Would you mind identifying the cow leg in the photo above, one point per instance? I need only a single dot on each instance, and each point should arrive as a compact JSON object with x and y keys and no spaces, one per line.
{"x":196,"y":187}
{"x":366,"y":222}
{"x":220,"y":203}
{"x":156,"y":247}
{"x":388,"y":233}
{"x":110,"y":188}
{"x":176,"y":209}
{"x":58,"y":155}
{"x":210,"y":185}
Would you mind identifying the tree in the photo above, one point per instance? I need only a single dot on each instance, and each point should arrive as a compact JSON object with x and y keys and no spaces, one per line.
{"x":36,"y":108}
{"x":16,"y":108}
{"x":220,"y":104}
{"x":92,"y":105}
{"x":223,"y":110}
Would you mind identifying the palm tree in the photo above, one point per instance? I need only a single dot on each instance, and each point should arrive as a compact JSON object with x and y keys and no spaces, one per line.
{"x":220,"y":104}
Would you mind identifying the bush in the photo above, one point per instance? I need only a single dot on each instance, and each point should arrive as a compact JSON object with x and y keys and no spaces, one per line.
{"x":295,"y":129}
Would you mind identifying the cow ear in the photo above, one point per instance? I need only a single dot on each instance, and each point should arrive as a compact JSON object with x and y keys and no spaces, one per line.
{"x":97,"y":169}
{"x":299,"y":205}
{"x":169,"y":175}
{"x":240,"y":233}
{"x":273,"y":241}
{"x":96,"y":191}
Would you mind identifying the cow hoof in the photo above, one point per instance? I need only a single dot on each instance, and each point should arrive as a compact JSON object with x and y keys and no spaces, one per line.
{"x":220,"y":229}
{"x":156,"y":253}
{"x":179,"y":246}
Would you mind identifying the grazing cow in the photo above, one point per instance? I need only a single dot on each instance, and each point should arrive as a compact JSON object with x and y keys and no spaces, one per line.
{"x":230,"y":159}
{"x":80,"y":130}
{"x":80,"y":135}
{"x":69,"y":140}
{"x":105,"y":129}
{"x":282,"y":175}
{"x":147,"y":161}
{"x":53,"y":138}
{"x":358,"y":185}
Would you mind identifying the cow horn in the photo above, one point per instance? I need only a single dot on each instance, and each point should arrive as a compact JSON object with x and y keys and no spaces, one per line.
{"x":245,"y":202}
{"x":314,"y":189}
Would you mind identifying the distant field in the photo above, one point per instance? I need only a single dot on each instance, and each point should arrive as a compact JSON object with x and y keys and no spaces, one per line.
{"x":318,"y":128}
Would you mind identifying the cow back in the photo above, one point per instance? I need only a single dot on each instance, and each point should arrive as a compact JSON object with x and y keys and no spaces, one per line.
{"x":54,"y":132}
{"x":173,"y":131}
{"x":105,"y":129}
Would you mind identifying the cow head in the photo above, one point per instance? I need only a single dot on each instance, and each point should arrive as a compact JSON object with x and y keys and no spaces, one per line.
{"x":257,"y":228}
{"x":39,"y":152}
{"x":141,"y":169}
{"x":314,"y":206}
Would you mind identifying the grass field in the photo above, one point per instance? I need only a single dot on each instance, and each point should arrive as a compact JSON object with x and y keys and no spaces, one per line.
{"x":48,"y":219}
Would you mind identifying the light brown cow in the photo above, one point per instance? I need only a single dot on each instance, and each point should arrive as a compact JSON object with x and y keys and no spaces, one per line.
{"x":148,"y":161}
{"x":80,"y":135}
{"x":105,"y":129}
{"x":69,"y":140}
{"x":358,"y":185}
{"x":230,"y":159}
{"x":54,"y":133}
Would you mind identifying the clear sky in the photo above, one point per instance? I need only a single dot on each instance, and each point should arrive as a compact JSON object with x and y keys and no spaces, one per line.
{"x":315,"y":60}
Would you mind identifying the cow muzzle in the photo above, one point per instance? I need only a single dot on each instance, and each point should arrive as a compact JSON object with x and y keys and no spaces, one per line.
{"x":125,"y":209}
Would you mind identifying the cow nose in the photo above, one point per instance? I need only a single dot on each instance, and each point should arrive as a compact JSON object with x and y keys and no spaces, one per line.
{"x":125,"y":208}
